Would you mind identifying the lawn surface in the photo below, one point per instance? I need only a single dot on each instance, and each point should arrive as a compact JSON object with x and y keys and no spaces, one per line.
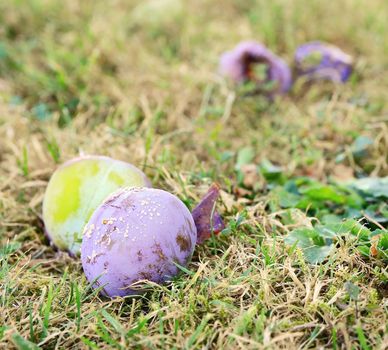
{"x":110,"y":78}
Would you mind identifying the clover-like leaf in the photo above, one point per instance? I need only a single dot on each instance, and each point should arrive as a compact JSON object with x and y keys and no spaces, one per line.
{"x":352,"y":290}
{"x":315,"y":244}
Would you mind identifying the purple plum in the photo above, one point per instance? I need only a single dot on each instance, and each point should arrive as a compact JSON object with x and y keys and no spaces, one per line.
{"x":141,"y":234}
{"x":250,"y":61}
{"x":137,"y":234}
{"x":317,"y":60}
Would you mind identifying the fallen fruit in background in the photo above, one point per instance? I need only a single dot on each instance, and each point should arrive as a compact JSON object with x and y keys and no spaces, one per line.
{"x":317,"y":60}
{"x":141,"y":234}
{"x":252,"y":62}
{"x":76,"y":189}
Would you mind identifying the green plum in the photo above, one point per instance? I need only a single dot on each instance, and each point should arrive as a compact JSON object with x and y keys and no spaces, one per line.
{"x":76,"y":189}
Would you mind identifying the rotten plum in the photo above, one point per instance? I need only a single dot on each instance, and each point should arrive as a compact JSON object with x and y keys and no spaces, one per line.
{"x":252,"y":62}
{"x":137,"y":234}
{"x":321,"y":61}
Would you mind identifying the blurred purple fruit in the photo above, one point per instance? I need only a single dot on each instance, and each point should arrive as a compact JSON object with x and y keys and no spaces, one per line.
{"x":316,"y":60}
{"x":252,"y":62}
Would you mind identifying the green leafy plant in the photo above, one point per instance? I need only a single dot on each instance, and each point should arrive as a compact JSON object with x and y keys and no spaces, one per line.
{"x":318,"y":242}
{"x":339,"y":210}
{"x":358,"y":199}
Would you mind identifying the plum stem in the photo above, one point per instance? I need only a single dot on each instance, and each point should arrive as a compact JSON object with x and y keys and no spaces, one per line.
{"x":206,"y":218}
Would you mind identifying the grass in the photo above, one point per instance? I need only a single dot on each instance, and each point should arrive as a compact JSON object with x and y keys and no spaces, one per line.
{"x":97,"y":78}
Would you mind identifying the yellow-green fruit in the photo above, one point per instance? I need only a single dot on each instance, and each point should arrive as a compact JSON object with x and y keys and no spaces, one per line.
{"x":76,"y":189}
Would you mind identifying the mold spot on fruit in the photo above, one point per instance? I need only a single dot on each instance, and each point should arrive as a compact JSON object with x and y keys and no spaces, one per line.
{"x":144,"y":275}
{"x":105,"y":239}
{"x":92,"y":258}
{"x":183,"y":241}
{"x":139,"y":255}
{"x":158,"y":251}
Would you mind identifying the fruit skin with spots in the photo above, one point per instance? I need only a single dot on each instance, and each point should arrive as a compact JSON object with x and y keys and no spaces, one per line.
{"x":137,"y":234}
{"x":76,"y":189}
